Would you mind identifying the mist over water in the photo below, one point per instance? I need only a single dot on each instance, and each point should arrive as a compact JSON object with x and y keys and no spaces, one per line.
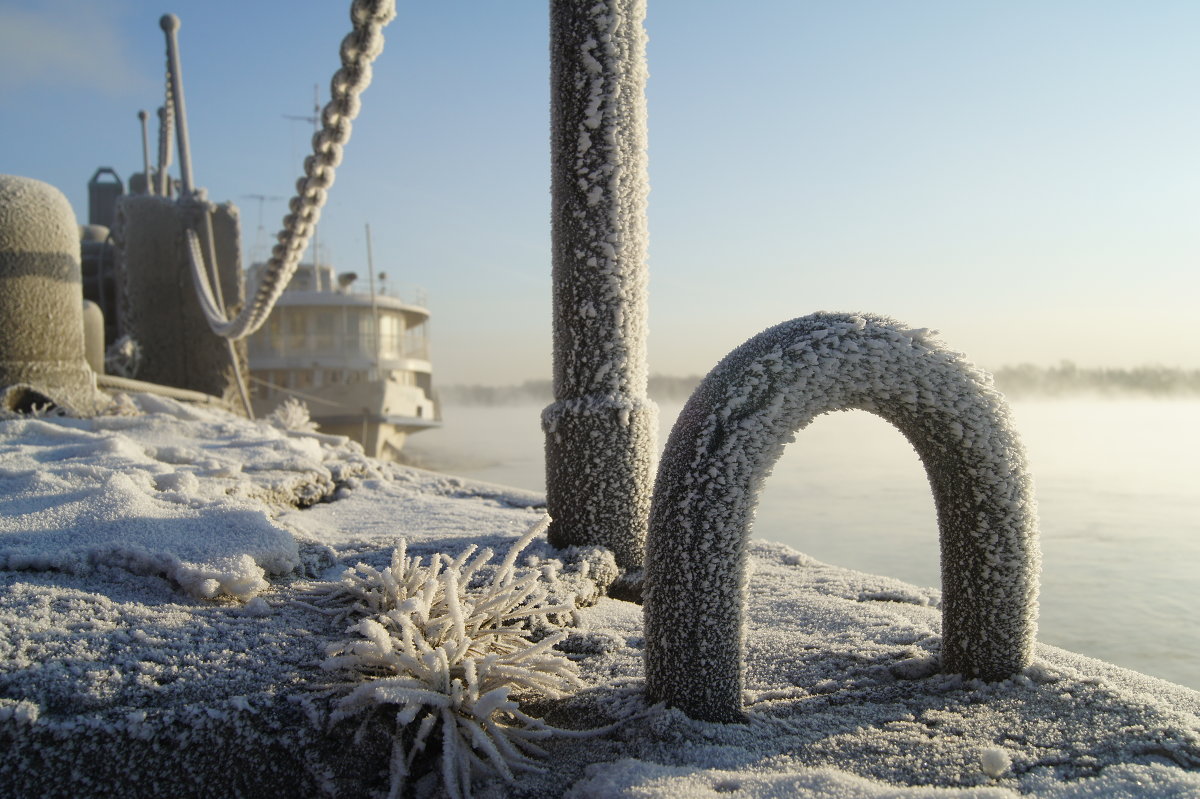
{"x":1117,"y":489}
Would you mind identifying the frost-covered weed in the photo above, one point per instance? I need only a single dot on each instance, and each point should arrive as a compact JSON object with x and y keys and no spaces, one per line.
{"x":292,"y":414}
{"x":452,"y":658}
{"x":123,"y":357}
{"x":122,"y":405}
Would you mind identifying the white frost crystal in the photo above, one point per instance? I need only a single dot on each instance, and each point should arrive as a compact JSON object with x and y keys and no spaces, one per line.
{"x":19,"y":710}
{"x":450,"y":659}
{"x":292,"y":414}
{"x":735,"y":427}
{"x":994,"y":761}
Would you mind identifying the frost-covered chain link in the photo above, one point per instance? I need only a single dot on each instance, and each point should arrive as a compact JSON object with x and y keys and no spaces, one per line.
{"x":358,"y":49}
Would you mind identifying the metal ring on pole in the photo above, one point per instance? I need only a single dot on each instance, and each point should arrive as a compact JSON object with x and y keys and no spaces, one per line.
{"x":733,"y":430}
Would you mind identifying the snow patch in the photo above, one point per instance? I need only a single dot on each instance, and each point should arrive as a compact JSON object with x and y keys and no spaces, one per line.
{"x":178,"y":495}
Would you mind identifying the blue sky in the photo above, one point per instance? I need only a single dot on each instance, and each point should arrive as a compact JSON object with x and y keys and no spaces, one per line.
{"x":1023,"y":176}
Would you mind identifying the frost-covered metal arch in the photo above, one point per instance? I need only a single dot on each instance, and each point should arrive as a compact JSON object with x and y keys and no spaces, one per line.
{"x":734,"y":428}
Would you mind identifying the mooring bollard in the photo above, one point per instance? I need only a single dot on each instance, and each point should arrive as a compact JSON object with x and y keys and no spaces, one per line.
{"x":41,"y":301}
{"x":601,"y":428}
{"x":158,"y":299}
{"x":734,"y":428}
{"x":93,"y":336}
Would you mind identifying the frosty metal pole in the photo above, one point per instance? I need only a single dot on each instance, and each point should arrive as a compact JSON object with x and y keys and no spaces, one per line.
{"x":600,"y":429}
{"x":142,"y":117}
{"x":170,"y":25}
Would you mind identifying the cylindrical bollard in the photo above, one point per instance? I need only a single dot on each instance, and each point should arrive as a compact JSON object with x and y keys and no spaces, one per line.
{"x":158,"y":306}
{"x":41,"y":321}
{"x":98,"y":262}
{"x":93,"y":336}
{"x":600,"y":430}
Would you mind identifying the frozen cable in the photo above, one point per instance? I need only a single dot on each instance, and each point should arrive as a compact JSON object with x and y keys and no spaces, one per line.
{"x":358,"y":50}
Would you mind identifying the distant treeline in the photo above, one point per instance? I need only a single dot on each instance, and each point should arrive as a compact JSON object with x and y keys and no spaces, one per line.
{"x":1027,"y":380}
{"x":1024,"y":380}
{"x":542,"y":391}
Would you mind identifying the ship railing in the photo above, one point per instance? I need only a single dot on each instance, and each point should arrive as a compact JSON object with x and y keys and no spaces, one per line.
{"x":409,"y":296}
{"x":351,"y":347}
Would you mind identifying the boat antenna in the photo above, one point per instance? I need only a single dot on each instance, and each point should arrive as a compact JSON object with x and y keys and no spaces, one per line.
{"x":261,"y":231}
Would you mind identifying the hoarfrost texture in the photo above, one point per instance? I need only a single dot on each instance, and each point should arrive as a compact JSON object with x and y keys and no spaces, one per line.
{"x":42,"y":348}
{"x":123,"y":357}
{"x":734,"y":428}
{"x":600,"y":428}
{"x":116,"y":683}
{"x":292,"y":414}
{"x":452,"y":660}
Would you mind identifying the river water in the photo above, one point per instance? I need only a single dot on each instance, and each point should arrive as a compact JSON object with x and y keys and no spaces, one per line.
{"x":1118,"y":488}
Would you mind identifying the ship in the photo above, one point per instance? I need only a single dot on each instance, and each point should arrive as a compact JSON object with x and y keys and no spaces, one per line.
{"x":357,"y":358}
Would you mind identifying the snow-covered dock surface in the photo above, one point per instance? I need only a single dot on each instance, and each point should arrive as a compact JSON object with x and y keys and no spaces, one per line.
{"x":150,"y":644}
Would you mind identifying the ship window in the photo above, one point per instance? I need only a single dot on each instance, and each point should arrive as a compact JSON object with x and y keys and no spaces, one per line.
{"x":390,"y":330}
{"x":302,"y":379}
{"x":333,"y":376}
{"x":274,"y":336}
{"x":361,"y":337}
{"x":415,"y":343}
{"x":294,"y":332}
{"x":324,"y":323}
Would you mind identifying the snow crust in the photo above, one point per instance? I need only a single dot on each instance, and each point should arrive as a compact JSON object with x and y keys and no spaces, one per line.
{"x":123,"y":682}
{"x":734,"y":428}
{"x":175,"y":493}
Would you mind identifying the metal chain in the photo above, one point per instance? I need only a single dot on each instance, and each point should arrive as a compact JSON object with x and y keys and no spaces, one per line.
{"x":358,"y":49}
{"x":166,"y":117}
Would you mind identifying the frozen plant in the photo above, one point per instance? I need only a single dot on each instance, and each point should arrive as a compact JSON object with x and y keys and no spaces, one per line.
{"x":292,"y":414}
{"x":452,"y":659}
{"x":124,"y":357}
{"x":122,"y":405}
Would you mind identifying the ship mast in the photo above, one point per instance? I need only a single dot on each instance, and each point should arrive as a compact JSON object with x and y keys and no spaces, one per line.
{"x":374,"y":303}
